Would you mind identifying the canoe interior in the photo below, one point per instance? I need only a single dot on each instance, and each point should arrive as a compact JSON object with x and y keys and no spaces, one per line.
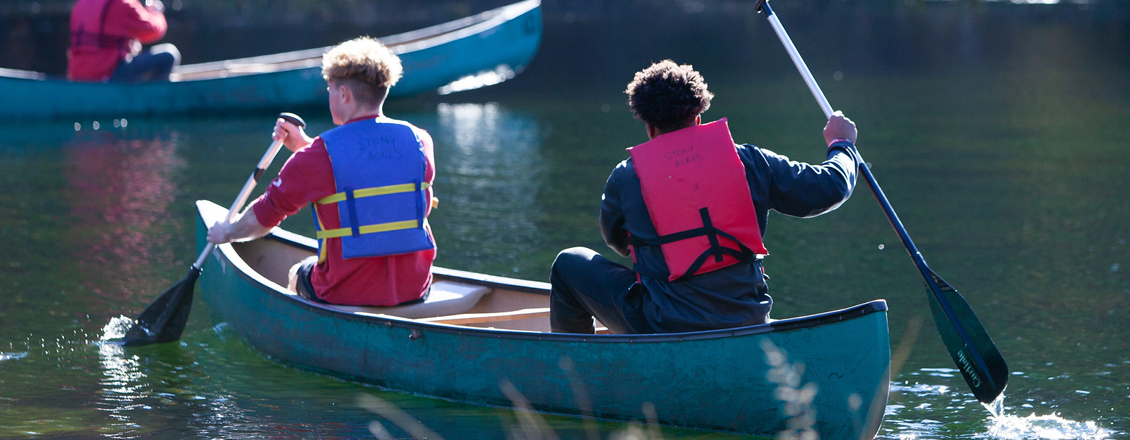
{"x":273,"y":257}
{"x":526,"y":302}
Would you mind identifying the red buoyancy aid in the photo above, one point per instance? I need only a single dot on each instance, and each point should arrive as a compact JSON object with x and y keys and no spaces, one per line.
{"x":695,"y":189}
{"x":104,"y":32}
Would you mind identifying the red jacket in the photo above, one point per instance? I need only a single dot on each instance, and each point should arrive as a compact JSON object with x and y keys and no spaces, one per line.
{"x":105,"y":32}
{"x":376,"y":281}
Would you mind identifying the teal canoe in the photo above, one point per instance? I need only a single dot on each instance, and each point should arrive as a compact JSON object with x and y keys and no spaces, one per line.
{"x":471,"y":52}
{"x":480,"y":338}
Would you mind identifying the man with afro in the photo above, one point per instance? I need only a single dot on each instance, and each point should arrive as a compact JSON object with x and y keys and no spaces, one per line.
{"x":690,"y":207}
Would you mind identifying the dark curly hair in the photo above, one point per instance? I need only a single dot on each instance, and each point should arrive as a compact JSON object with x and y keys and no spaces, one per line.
{"x":667,"y":95}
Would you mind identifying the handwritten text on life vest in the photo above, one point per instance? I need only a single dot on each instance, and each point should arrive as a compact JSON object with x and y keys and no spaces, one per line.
{"x":381,"y":148}
{"x":682,"y":156}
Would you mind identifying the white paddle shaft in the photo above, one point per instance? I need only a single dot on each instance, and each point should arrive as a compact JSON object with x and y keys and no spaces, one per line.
{"x":244,"y":193}
{"x":800,"y":66}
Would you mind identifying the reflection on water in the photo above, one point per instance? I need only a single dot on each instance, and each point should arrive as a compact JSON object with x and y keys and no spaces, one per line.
{"x":489,"y":174}
{"x":121,"y":192}
{"x":479,"y":80}
{"x":123,"y":388}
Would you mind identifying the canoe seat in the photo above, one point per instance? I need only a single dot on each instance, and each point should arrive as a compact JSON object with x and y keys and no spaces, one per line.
{"x":446,"y":298}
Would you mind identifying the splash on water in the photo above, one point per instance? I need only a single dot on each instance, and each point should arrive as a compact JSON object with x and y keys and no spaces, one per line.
{"x":1050,"y":427}
{"x":997,"y":407}
{"x":10,"y":356}
{"x":116,"y":328}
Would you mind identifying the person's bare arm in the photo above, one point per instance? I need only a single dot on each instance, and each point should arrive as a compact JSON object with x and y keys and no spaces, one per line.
{"x":247,"y":226}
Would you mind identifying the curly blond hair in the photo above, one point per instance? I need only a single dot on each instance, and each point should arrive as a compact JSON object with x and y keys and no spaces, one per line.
{"x":667,"y":95}
{"x":365,"y":65}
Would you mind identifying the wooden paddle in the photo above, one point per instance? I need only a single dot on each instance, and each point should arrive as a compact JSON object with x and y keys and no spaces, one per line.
{"x":977,"y":357}
{"x":165,"y":318}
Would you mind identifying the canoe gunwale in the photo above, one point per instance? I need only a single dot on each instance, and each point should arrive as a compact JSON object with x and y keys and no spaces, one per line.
{"x":233,"y":259}
{"x":410,"y":41}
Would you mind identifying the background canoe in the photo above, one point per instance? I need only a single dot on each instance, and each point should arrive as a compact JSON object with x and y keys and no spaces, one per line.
{"x":482,"y":49}
{"x":834,"y":364}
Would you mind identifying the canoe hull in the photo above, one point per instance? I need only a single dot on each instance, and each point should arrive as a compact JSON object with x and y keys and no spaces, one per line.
{"x":716,"y":380}
{"x":506,"y":41}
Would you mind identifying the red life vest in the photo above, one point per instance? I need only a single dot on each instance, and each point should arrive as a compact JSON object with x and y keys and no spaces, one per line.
{"x":695,"y":189}
{"x":105,"y":32}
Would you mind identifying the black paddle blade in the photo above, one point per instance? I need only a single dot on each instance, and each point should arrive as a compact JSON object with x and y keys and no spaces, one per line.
{"x":978,"y":358}
{"x":164,"y":320}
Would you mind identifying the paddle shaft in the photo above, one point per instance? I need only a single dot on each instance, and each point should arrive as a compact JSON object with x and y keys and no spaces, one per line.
{"x":244,"y":193}
{"x":827,"y":108}
{"x":919,"y":261}
{"x":264,"y":163}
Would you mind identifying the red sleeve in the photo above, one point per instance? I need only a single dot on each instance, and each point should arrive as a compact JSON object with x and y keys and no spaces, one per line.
{"x":130,"y":18}
{"x":306,"y":176}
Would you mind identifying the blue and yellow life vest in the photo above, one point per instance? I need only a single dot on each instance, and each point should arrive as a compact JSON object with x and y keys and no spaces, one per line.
{"x":379,"y":169}
{"x":695,"y":189}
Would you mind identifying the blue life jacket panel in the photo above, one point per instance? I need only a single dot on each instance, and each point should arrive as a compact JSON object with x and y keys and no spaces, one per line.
{"x":695,"y":189}
{"x":379,"y":168}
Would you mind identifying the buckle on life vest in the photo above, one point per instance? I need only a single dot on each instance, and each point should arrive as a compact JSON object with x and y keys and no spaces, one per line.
{"x":716,"y":249}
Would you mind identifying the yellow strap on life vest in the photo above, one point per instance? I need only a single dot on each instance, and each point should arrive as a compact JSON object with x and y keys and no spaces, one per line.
{"x":322,"y":254}
{"x":369,"y":229}
{"x":370,"y":192}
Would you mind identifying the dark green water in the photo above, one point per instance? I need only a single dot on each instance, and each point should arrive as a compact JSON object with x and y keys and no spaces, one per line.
{"x":999,"y":133}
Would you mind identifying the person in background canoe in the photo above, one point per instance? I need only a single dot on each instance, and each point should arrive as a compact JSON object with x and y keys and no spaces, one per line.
{"x":690,"y":208}
{"x":370,"y":183}
{"x":106,"y":39}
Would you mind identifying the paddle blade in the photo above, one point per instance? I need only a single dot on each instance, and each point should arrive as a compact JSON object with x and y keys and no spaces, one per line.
{"x":164,"y":320}
{"x":977,"y":357}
